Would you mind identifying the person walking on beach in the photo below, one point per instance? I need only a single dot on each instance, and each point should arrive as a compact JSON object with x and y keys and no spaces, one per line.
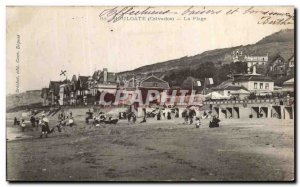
{"x":15,"y":121}
{"x":32,"y":120}
{"x":176,"y":112}
{"x":133,"y":117}
{"x":45,"y":127}
{"x":23,"y":125}
{"x":144,"y":116}
{"x":198,"y":123}
{"x":191,"y":115}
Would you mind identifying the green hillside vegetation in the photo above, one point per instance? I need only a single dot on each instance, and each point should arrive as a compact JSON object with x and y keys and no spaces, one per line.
{"x":217,"y":63}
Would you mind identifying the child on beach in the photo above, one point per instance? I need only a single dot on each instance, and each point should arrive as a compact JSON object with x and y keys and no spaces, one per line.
{"x":198,"y":123}
{"x":23,"y":125}
{"x":45,"y":127}
{"x":15,"y":121}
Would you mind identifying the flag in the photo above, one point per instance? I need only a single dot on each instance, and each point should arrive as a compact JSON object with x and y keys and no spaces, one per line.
{"x":209,"y":81}
{"x":198,"y":83}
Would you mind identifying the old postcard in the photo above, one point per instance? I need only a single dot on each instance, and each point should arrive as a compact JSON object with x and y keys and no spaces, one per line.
{"x":150,"y":93}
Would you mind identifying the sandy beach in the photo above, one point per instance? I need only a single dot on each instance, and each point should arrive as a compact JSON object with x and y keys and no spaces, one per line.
{"x":167,"y":150}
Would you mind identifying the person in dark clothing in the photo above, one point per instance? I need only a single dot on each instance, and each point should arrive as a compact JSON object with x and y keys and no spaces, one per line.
{"x":45,"y":129}
{"x":133,"y":118}
{"x":176,"y":112}
{"x":144,"y":112}
{"x":32,"y":120}
{"x":169,"y":115}
{"x":158,"y":116}
{"x":144,"y":116}
{"x":129,"y":116}
{"x":23,"y":125}
{"x":191,"y":115}
{"x":214,"y":122}
{"x":37,"y":121}
{"x":15,"y":121}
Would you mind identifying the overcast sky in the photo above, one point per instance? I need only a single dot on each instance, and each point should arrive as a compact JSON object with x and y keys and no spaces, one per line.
{"x":76,"y":40}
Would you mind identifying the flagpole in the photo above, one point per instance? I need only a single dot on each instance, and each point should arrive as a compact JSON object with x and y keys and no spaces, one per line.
{"x":204,"y":86}
{"x":192,"y":86}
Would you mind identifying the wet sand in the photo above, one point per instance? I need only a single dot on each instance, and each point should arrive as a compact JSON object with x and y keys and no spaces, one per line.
{"x":256,"y":149}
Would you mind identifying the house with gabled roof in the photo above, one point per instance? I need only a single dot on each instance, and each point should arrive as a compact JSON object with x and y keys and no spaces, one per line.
{"x":53,"y":94}
{"x":255,"y":83}
{"x":103,"y":81}
{"x":231,"y":90}
{"x":278,"y":67}
{"x":82,"y":89}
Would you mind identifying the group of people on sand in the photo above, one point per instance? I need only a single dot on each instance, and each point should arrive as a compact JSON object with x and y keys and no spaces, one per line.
{"x":190,"y":114}
{"x":43,"y":122}
{"x":166,"y":114}
{"x":34,"y":121}
{"x":63,"y":120}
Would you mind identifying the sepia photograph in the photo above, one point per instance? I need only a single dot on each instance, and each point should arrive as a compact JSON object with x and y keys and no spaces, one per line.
{"x":150,"y":93}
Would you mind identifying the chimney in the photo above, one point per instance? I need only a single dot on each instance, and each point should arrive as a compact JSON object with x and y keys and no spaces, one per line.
{"x":254,"y":70}
{"x":105,"y":75}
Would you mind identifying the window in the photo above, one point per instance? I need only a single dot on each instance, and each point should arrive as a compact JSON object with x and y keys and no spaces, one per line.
{"x":267,"y":86}
{"x":255,"y":85}
{"x":261,"y":85}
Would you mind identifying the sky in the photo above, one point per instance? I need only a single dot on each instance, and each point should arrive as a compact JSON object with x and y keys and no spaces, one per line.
{"x":75,"y":39}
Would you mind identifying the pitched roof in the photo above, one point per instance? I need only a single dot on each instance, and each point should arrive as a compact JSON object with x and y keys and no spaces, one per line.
{"x":154,"y":82}
{"x":292,"y":58}
{"x":54,"y":87}
{"x":96,"y":75}
{"x":83,"y":82}
{"x":111,"y":77}
{"x":289,"y":82}
{"x":74,"y":78}
{"x":230,"y":87}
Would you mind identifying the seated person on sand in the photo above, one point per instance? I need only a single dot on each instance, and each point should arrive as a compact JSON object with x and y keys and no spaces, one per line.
{"x":214,"y":122}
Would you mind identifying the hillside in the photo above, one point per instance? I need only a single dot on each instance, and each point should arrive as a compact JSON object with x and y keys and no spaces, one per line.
{"x":281,"y":42}
{"x":23,"y":99}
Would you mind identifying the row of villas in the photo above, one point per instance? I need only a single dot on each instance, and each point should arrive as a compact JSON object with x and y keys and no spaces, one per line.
{"x":79,"y":90}
{"x":86,"y":90}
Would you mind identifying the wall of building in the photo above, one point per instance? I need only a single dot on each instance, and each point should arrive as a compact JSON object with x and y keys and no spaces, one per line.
{"x":250,"y":86}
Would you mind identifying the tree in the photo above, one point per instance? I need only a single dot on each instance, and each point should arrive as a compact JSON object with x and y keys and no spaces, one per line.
{"x":187,"y":83}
